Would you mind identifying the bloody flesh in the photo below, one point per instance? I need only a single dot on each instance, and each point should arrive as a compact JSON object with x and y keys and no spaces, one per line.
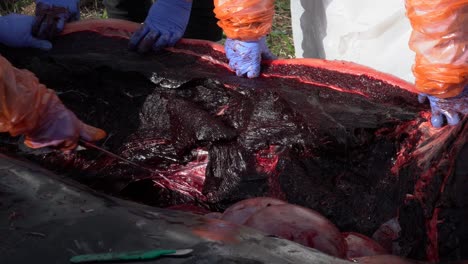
{"x":338,"y":138}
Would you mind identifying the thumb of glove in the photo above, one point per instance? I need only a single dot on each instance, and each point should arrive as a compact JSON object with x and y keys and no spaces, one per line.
{"x":266,"y":53}
{"x":91,"y":134}
{"x":40,"y":44}
{"x":422,"y":98}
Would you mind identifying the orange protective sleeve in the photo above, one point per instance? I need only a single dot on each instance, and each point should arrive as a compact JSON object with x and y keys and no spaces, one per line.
{"x":22,"y":99}
{"x":246,"y":20}
{"x":439,"y":39}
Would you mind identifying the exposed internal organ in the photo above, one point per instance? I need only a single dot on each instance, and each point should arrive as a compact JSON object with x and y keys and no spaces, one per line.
{"x":360,"y":246}
{"x":240,"y":212}
{"x":301,"y":225}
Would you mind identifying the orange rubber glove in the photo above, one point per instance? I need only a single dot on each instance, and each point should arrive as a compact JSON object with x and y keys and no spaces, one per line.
{"x":440,"y":40}
{"x":29,"y":108}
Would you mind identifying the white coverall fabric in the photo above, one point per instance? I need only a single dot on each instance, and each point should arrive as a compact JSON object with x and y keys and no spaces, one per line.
{"x":374,"y":33}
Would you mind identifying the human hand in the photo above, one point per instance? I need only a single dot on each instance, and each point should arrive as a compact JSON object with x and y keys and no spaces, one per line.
{"x":245,"y":56}
{"x":164,"y":26}
{"x":452,"y":108}
{"x":15,"y":31}
{"x":52,"y":15}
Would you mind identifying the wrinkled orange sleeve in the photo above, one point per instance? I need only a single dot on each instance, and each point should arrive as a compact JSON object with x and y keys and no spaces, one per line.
{"x":22,"y":99}
{"x":439,"y":39}
{"x":246,"y":20}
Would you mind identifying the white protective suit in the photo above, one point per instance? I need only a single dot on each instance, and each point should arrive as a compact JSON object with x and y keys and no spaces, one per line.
{"x":368,"y":32}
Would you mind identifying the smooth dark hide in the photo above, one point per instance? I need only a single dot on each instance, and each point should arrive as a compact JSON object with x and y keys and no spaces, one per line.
{"x":355,"y":148}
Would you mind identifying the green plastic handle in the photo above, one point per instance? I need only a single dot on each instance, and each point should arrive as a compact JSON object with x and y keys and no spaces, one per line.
{"x":122,"y":256}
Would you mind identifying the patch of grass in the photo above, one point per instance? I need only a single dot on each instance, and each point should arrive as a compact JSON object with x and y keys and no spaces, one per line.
{"x":89,"y":8}
{"x":92,"y":9}
{"x":13,"y":6}
{"x":279,"y":40}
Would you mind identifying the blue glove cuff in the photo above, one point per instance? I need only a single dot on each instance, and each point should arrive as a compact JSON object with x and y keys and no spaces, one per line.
{"x":172,"y":15}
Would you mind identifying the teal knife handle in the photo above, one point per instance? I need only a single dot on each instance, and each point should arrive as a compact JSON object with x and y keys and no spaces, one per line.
{"x":130,"y":256}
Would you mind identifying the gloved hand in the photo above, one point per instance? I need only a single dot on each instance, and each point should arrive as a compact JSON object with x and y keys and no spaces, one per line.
{"x":245,"y":56}
{"x":164,"y":26}
{"x":29,"y":108}
{"x":60,"y":128}
{"x":51,"y":16}
{"x":451,"y":108}
{"x":15,"y":31}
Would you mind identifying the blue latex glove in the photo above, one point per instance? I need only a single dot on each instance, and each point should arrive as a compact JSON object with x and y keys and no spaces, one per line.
{"x":15,"y":31}
{"x":51,"y":16}
{"x":164,"y":26}
{"x":452,"y":108}
{"x":245,"y":56}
